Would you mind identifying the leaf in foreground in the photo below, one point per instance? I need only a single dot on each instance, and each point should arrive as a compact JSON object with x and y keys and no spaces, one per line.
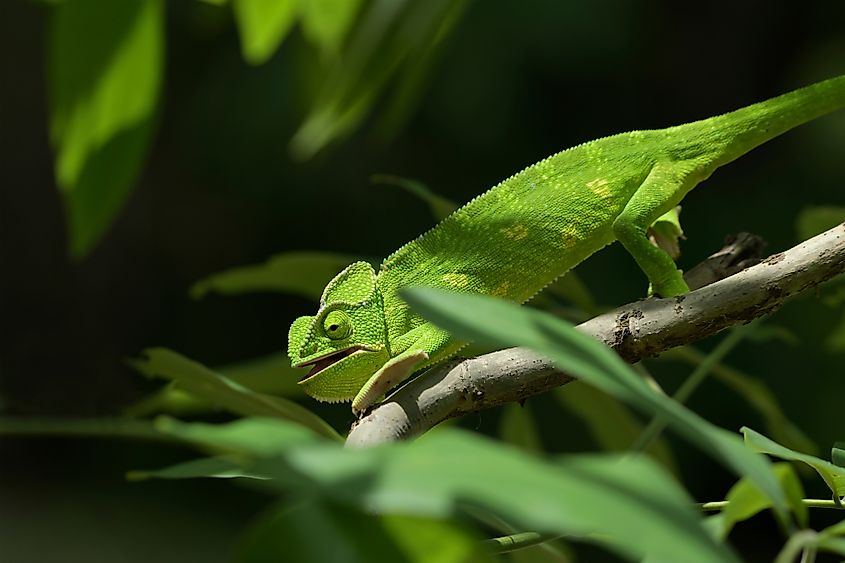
{"x":494,"y":321}
{"x":628,"y":504}
{"x":320,"y":531}
{"x":200,"y":381}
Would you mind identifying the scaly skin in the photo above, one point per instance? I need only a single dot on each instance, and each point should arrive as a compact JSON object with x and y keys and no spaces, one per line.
{"x":516,"y":238}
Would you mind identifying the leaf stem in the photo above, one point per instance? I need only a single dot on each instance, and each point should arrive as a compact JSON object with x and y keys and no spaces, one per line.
{"x":699,"y":374}
{"x":809,"y":502}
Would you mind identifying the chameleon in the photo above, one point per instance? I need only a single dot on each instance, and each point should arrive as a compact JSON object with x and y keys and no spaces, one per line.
{"x":522,"y":234}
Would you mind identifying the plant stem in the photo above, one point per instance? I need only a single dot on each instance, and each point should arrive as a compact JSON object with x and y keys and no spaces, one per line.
{"x":809,"y":502}
{"x":658,"y":423}
{"x":513,"y":542}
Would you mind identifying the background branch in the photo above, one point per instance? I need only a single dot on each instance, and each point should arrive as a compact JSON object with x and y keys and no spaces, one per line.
{"x":636,"y":331}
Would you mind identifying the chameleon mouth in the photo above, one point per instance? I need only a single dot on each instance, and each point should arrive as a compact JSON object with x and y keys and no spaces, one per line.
{"x":320,"y":364}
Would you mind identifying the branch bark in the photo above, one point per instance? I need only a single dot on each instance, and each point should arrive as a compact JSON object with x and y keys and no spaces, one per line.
{"x":636,"y":331}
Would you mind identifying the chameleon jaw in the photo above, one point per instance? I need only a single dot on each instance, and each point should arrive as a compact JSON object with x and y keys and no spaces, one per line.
{"x":323,"y":362}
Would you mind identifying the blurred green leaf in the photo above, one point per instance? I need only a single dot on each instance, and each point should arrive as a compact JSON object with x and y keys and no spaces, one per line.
{"x":612,"y":425}
{"x":216,"y":389}
{"x":627,"y":504}
{"x":830,"y":539}
{"x":383,"y":40}
{"x":756,"y":393}
{"x":262,"y":25}
{"x":121,"y":428}
{"x":326,"y":22}
{"x":816,"y":219}
{"x":572,"y":289}
{"x":247,"y":438}
{"x":320,"y":532}
{"x":517,"y":427}
{"x":835,"y":341}
{"x":439,"y":206}
{"x":745,"y":500}
{"x":300,"y":273}
{"x":837,"y":454}
{"x":213,"y":467}
{"x":271,"y":374}
{"x":104,"y":70}
{"x":481,"y":318}
{"x":834,"y":476}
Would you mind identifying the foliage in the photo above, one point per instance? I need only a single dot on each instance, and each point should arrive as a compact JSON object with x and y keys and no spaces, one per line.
{"x":452,"y":495}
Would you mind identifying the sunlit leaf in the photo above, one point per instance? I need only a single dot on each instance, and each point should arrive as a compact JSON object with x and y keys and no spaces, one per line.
{"x":262,"y":25}
{"x":816,"y":219}
{"x":439,"y":206}
{"x":484,"y":319}
{"x":384,"y":38}
{"x":104,"y":70}
{"x":216,"y":389}
{"x":320,"y":531}
{"x":299,"y":273}
{"x":745,"y":500}
{"x":326,"y":22}
{"x":611,"y":424}
{"x":833,"y":475}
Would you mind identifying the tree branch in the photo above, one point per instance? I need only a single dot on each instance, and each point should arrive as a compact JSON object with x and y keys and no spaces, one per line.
{"x":636,"y":331}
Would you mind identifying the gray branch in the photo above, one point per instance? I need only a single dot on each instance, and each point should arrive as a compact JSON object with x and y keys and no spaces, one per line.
{"x":636,"y":331}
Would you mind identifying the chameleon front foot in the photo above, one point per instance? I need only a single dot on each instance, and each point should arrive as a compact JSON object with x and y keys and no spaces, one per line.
{"x":391,"y":374}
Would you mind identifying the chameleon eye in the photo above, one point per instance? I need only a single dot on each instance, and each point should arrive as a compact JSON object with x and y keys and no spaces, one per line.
{"x":337,"y":325}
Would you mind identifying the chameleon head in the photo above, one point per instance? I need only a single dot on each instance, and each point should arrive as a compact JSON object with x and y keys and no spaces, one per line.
{"x":345,"y":342}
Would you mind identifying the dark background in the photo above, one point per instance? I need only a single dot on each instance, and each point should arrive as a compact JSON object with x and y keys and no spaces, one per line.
{"x":516,"y":82}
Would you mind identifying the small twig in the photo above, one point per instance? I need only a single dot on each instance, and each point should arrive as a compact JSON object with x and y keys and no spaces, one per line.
{"x":635,"y":331}
{"x":808,"y":502}
{"x":522,"y":540}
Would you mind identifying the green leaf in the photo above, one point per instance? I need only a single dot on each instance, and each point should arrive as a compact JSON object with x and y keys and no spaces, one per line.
{"x":211,"y":467}
{"x":745,"y":500}
{"x":382,"y":42}
{"x":833,"y":475}
{"x":755,"y":392}
{"x":816,"y":219}
{"x":612,"y":425}
{"x":837,"y":454}
{"x":214,"y":388}
{"x":262,"y":25}
{"x":271,"y":374}
{"x":120,"y":428}
{"x":484,"y":319}
{"x":105,"y":65}
{"x":628,"y":504}
{"x":517,"y":427}
{"x":320,"y":532}
{"x":573,"y":290}
{"x":439,"y":206}
{"x":326,"y":22}
{"x":246,"y":438}
{"x":299,"y":273}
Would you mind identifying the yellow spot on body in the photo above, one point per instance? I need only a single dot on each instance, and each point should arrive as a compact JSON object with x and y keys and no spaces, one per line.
{"x":570,"y":235}
{"x":456,"y":280}
{"x":515,"y":232}
{"x":501,"y":290}
{"x":600,"y":187}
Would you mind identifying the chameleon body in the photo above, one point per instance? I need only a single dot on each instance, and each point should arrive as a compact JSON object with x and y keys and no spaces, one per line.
{"x":516,"y":238}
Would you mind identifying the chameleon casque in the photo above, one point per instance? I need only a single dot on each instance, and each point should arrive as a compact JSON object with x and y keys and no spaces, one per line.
{"x":516,"y":238}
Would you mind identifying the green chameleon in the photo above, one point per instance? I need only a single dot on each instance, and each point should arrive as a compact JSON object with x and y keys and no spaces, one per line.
{"x":516,"y":238}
